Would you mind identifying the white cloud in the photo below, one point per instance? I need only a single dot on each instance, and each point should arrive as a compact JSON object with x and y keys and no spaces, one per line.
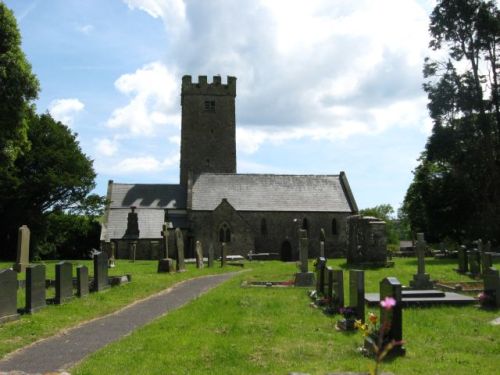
{"x":106,"y":147}
{"x":65,"y":110}
{"x":85,"y":29}
{"x":172,"y":12}
{"x":154,"y":94}
{"x":144,"y":164}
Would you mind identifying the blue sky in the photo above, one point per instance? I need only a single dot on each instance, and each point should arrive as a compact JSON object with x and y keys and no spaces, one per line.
{"x":323,"y":85}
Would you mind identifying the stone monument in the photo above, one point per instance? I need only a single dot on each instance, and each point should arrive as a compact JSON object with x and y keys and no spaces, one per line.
{"x":23,"y":249}
{"x":199,"y":255}
{"x":179,"y":244}
{"x":165,"y":264}
{"x":322,"y":240}
{"x":421,"y":280}
{"x":304,"y":277}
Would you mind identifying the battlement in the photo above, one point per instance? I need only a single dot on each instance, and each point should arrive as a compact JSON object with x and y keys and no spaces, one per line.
{"x":204,"y":88}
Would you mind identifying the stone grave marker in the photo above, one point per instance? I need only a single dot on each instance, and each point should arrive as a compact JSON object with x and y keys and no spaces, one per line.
{"x":474,"y":262}
{"x":199,"y":255}
{"x":112,"y":248}
{"x":23,"y":249}
{"x":463,"y":264}
{"x":166,"y":264}
{"x":35,"y":288}
{"x":357,"y":293}
{"x":8,"y":295}
{"x":164,"y":242}
{"x":223,"y":255}
{"x":82,"y":281}
{"x":211,"y":255}
{"x":304,"y":277}
{"x":101,"y":280}
{"x":132,"y":250}
{"x":492,"y":286}
{"x":322,"y":240}
{"x":179,"y":244}
{"x":421,"y":280}
{"x":338,"y":289}
{"x":64,"y":282}
{"x":329,"y":284}
{"x":486,"y":258}
{"x":320,"y":275}
{"x":391,"y":287}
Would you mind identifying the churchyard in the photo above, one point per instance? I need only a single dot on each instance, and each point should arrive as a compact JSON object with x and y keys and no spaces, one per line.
{"x":237,"y":329}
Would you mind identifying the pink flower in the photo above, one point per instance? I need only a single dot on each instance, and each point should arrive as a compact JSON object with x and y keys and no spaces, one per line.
{"x":388,"y":303}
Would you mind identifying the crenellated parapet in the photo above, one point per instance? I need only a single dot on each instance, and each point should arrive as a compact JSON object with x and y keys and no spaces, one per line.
{"x":202,"y":87}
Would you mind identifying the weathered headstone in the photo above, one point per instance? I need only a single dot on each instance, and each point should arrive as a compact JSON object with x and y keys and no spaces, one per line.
{"x":329,"y":284}
{"x":101,"y":280}
{"x":304,"y":277}
{"x":64,"y":282}
{"x":463,"y":264}
{"x":82,"y":281}
{"x":391,"y":287}
{"x":112,"y":250}
{"x":421,"y":280}
{"x":223,"y":255}
{"x":8,"y":295}
{"x":179,"y":244}
{"x":166,"y":265}
{"x":357,"y":293}
{"x":132,"y":250}
{"x":492,"y":286}
{"x":474,"y":262}
{"x":199,"y":255}
{"x":35,"y":288}
{"x":338,"y":289}
{"x":23,"y":249}
{"x":486,"y":258}
{"x":322,"y":240}
{"x":164,"y":242}
{"x":320,"y":275}
{"x":211,"y":255}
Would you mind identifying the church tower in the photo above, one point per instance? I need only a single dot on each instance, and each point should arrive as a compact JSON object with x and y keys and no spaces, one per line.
{"x":208,"y":133}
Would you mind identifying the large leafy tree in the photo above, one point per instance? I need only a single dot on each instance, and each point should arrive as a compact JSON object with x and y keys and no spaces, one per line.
{"x":455,"y":192}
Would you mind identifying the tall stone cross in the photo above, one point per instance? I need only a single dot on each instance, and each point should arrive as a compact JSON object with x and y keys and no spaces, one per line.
{"x":421,"y":280}
{"x":164,"y":235}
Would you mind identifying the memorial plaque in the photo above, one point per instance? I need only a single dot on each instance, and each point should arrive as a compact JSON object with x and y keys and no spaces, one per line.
{"x":101,"y":280}
{"x":35,"y":288}
{"x":64,"y":282}
{"x":357,"y":293}
{"x":8,"y":295}
{"x":82,"y":281}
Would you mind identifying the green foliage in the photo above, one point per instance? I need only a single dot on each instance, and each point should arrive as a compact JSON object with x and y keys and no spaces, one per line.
{"x":455,"y":191}
{"x":396,"y":229}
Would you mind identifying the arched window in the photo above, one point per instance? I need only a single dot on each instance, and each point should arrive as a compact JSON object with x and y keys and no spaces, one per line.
{"x":224,"y":233}
{"x":263,"y":227}
{"x":334,"y":226}
{"x":305,"y":225}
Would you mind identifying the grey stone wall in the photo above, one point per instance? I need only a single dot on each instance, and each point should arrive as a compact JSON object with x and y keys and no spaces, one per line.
{"x":367,"y":240}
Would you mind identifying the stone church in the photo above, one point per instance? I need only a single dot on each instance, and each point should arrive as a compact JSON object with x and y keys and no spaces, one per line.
{"x":214,"y":204}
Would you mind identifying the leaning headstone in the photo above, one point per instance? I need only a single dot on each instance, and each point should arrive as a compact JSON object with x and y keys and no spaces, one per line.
{"x":421,"y":280}
{"x":101,"y":280}
{"x":35,"y":288}
{"x":357,"y":293}
{"x":474,"y":262}
{"x":179,"y":244}
{"x":199,"y":255}
{"x":64,"y":282}
{"x":338,"y":289}
{"x":391,"y":287}
{"x":304,"y":277}
{"x":8,"y":295}
{"x":492,"y":286}
{"x":320,"y":275}
{"x":463,"y":265}
{"x":211,"y":255}
{"x":322,"y":240}
{"x":82,"y":281}
{"x":23,"y":249}
{"x":223,"y":255}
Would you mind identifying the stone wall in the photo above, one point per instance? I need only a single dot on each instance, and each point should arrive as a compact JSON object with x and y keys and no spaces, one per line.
{"x":367,"y":240}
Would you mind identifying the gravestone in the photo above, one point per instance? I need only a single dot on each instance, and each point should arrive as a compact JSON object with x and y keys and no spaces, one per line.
{"x":320,"y":275}
{"x":82,"y":281}
{"x":223,"y":254}
{"x":35,"y":288}
{"x":304,"y":277}
{"x":164,"y":242}
{"x":179,"y":244}
{"x":64,"y":282}
{"x":357,"y":293}
{"x":8,"y":295}
{"x":474,"y":262}
{"x":492,"y":286}
{"x":112,"y":248}
{"x":329,"y":284}
{"x":338,"y":289}
{"x":23,"y":249}
{"x":322,"y":240}
{"x":101,"y":280}
{"x":211,"y":255}
{"x":463,"y":264}
{"x":166,"y":264}
{"x":486,"y":258}
{"x":132,"y":250}
{"x":199,"y":255}
{"x":391,"y":287}
{"x":421,"y":280}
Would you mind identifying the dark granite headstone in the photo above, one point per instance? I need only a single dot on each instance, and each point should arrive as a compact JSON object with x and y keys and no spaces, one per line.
{"x":211,"y":255}
{"x":338,"y":288}
{"x":329,"y":284}
{"x":8,"y":295}
{"x":463,"y":265}
{"x":357,"y":293}
{"x":35,"y":287}
{"x":486,"y":261}
{"x":179,"y":244}
{"x":391,"y":287}
{"x":320,"y":275}
{"x":492,"y":286}
{"x":166,"y":265}
{"x":474,"y":262}
{"x":101,"y":280}
{"x":64,"y":282}
{"x":82,"y":281}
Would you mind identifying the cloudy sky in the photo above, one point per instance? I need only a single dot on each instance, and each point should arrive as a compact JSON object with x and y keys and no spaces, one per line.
{"x":323,"y":85}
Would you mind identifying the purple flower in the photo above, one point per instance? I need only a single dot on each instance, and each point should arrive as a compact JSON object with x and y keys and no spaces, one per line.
{"x":388,"y":303}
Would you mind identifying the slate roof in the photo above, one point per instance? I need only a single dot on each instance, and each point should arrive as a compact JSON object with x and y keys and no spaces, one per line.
{"x":270,"y":192}
{"x":148,"y":196}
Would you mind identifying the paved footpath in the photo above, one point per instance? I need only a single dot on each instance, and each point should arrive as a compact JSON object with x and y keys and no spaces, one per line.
{"x":60,"y":352}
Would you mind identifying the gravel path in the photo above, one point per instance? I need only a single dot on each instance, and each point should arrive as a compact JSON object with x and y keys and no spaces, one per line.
{"x":60,"y":352}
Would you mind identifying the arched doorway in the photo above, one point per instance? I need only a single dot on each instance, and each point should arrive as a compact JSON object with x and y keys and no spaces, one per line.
{"x":286,"y":251}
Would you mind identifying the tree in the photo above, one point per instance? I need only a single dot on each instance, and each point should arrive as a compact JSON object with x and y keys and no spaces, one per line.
{"x":385,"y":212}
{"x":455,"y":191}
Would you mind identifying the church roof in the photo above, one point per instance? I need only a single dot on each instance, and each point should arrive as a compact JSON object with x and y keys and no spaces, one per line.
{"x":270,"y":192}
{"x":148,"y":196}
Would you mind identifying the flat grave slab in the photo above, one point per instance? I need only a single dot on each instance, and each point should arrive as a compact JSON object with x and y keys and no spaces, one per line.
{"x":425,"y":298}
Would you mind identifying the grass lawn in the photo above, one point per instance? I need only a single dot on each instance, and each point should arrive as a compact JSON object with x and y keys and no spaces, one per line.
{"x":235,"y":330}
{"x":52,"y":319}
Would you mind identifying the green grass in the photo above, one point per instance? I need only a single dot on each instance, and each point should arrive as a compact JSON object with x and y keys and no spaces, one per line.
{"x":52,"y":319}
{"x":235,"y":330}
